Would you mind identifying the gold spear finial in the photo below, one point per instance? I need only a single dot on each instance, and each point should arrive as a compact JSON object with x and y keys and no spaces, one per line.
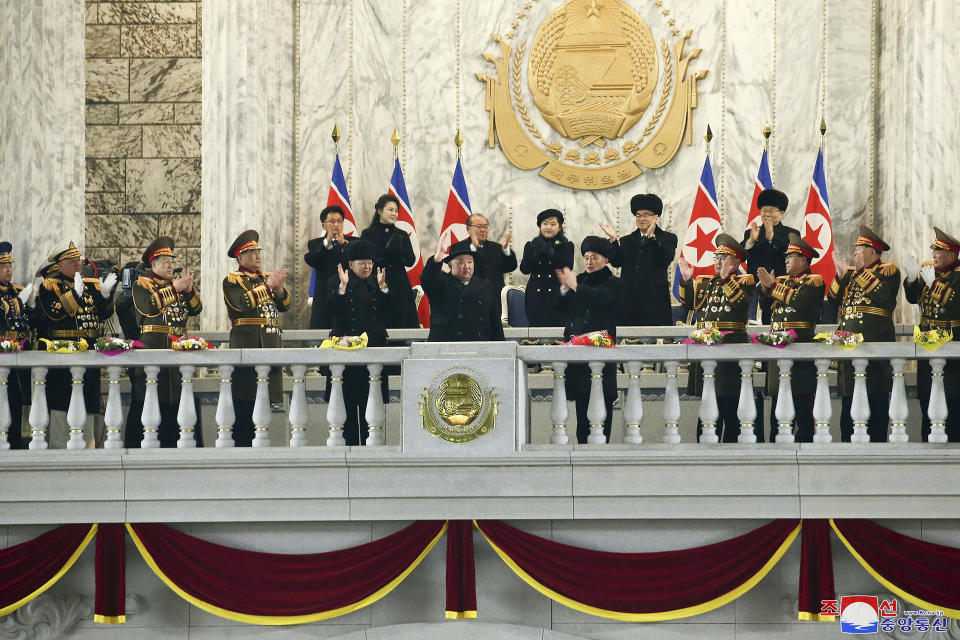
{"x":395,"y":139}
{"x":823,"y":126}
{"x":708,"y":138}
{"x":336,"y":137}
{"x":766,"y":134}
{"x":458,"y":140}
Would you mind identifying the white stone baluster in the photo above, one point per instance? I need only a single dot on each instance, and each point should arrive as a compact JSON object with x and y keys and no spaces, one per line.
{"x":336,"y":409}
{"x":298,"y":406}
{"x":937,"y":405}
{"x":898,"y":403}
{"x":187,"y":411}
{"x":39,"y":416}
{"x":113,"y":414}
{"x":671,"y":404}
{"x":821,"y":404}
{"x":859,"y":406}
{"x":261,"y":407}
{"x":225,"y":413}
{"x":558,"y":406}
{"x":150,"y":417}
{"x":77,"y":410}
{"x":375,"y":415}
{"x":596,"y":407}
{"x":633,"y":410}
{"x":5,"y":417}
{"x":747,"y":407}
{"x":785,"y":411}
{"x":709,"y":411}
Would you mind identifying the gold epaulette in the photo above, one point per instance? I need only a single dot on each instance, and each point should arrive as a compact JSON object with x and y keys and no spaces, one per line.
{"x":887,"y":269}
{"x":928,"y":263}
{"x":49,"y":284}
{"x":235,"y":277}
{"x":745,"y":279}
{"x":144,"y":281}
{"x":94,"y":281}
{"x":814,"y":278}
{"x":699,"y":279}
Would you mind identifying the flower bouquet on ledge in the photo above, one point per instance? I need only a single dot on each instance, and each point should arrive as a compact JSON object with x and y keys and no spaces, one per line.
{"x":592,"y":339}
{"x":65,"y":346}
{"x":706,"y":337}
{"x":189,"y":343}
{"x":778,"y":339}
{"x":933,"y":339}
{"x":111,"y":346}
{"x":842,"y":339}
{"x":9,"y":345}
{"x":346,"y":343}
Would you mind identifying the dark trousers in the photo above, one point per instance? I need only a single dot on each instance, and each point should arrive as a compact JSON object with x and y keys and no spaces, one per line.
{"x":924,"y":374}
{"x":243,"y":429}
{"x":876,"y":424}
{"x":728,"y":424}
{"x":356,"y":390}
{"x":169,"y":430}
{"x":577,"y":385}
{"x":803,"y":423}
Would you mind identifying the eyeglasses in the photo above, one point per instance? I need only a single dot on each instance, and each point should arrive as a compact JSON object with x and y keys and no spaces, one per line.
{"x":645,"y":214}
{"x":480,"y":226}
{"x":362,"y":263}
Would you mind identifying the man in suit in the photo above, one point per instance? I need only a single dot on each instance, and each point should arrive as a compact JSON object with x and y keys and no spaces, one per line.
{"x":254,"y":302}
{"x":644,"y":257}
{"x":721,"y":302}
{"x":463,"y":308}
{"x":324,"y":254}
{"x":73,"y":308}
{"x":358,"y":301}
{"x":795,"y":305}
{"x":16,"y":304}
{"x":934,"y":287}
{"x":766,"y":241}
{"x":590,"y":301}
{"x":491,"y":260}
{"x":867,"y":293}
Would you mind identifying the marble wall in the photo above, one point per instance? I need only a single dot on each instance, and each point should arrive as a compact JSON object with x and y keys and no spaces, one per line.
{"x":41,"y":127}
{"x":143,"y":86}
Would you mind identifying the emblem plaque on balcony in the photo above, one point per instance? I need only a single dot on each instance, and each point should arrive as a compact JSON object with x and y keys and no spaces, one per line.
{"x":458,"y":406}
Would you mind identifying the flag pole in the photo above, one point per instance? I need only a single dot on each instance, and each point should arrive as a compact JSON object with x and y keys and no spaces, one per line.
{"x":766,"y":136}
{"x":395,"y":139}
{"x":336,"y":138}
{"x":708,"y":138}
{"x":823,"y":130}
{"x":458,"y":140}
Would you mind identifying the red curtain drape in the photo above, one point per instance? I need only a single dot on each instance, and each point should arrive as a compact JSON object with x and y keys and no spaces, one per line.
{"x":110,"y":569}
{"x":461,"y":574}
{"x":270,"y":588}
{"x":642,"y":586}
{"x":923,"y":573}
{"x":816,"y":570}
{"x":30,"y":568}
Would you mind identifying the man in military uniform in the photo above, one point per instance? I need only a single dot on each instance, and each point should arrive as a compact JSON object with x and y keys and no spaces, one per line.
{"x":590,"y":302}
{"x":463,"y":308}
{"x":867,"y":293}
{"x":934,"y":287}
{"x":359,"y":301}
{"x":491,"y":259}
{"x":163,"y":303}
{"x":73,"y":308}
{"x":254,"y":302}
{"x":721,"y":302}
{"x":324,"y":254}
{"x":15,"y":307}
{"x":795,"y":305}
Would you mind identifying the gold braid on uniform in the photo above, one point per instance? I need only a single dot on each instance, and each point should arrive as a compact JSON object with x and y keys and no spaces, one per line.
{"x":731,"y":288}
{"x":68,"y":300}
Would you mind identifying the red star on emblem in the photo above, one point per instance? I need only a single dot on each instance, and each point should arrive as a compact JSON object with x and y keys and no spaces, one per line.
{"x":703,"y":243}
{"x":811,"y":235}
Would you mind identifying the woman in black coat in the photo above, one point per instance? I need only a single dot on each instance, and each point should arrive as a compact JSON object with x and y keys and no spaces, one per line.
{"x":394,"y":254}
{"x":541,"y":257}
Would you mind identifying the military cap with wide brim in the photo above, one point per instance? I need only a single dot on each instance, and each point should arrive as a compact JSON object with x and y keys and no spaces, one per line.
{"x":162,"y":246}
{"x":728,"y":245}
{"x":46,"y":269}
{"x":797,"y":245}
{"x":772,"y":198}
{"x":455,"y":253}
{"x":66,"y":250}
{"x":597,"y":245}
{"x":868,"y":238}
{"x":945,"y":242}
{"x":246,"y":241}
{"x":5,"y":253}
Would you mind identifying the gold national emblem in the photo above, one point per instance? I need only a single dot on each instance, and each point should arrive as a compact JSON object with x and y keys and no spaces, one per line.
{"x":458,"y":410}
{"x":594,"y":76}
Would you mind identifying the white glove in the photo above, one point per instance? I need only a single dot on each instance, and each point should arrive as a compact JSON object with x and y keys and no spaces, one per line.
{"x":310,"y":301}
{"x":929,"y":275}
{"x":78,"y":283}
{"x":107,"y":284}
{"x":26,"y":296}
{"x":911,"y":267}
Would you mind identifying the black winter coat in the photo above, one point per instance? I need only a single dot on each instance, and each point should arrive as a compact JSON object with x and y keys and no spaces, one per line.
{"x":490,"y":262}
{"x":395,"y":253}
{"x":460,"y":312}
{"x":542,"y":297}
{"x":324,"y":260}
{"x":593,"y":306}
{"x":363,"y":308}
{"x":646,"y":285}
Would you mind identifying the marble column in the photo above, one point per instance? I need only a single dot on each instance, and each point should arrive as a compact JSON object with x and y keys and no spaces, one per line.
{"x":41,"y":128}
{"x":248,"y":142}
